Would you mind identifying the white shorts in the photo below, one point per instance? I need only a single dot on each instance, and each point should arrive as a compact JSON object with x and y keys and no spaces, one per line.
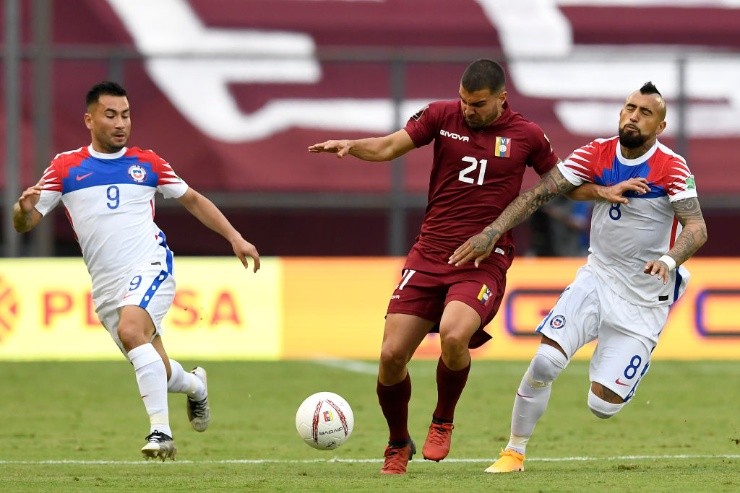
{"x":626,"y":333}
{"x":149,"y":287}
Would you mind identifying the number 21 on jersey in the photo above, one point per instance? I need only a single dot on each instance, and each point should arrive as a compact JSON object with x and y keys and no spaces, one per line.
{"x":475,"y":173}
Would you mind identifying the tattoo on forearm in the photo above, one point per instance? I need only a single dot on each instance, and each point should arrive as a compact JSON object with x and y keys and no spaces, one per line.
{"x":490,"y":233}
{"x":694,"y":233}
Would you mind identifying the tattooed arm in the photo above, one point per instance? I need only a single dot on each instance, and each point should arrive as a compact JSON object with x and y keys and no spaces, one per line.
{"x":613,"y":194}
{"x":478,"y":247}
{"x":692,"y":237}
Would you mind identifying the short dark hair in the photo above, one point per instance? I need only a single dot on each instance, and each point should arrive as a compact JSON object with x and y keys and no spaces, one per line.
{"x":483,"y":74}
{"x":649,"y":88}
{"x":107,"y":88}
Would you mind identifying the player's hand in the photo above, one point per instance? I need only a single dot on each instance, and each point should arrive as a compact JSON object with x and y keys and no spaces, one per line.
{"x":339,"y":147}
{"x":244,"y":250}
{"x":615,"y":193}
{"x":30,"y":197}
{"x":476,"y":248}
{"x":658,"y":269}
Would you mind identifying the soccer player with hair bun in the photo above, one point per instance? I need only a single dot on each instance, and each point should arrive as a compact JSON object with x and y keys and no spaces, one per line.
{"x":645,"y":224}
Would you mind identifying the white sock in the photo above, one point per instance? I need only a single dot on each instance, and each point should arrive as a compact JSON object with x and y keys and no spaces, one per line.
{"x":151,"y":376}
{"x":533,"y":395}
{"x":184,"y":382}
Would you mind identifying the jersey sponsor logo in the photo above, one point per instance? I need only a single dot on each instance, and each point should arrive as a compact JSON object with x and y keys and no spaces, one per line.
{"x":690,"y":183}
{"x":502,"y":148}
{"x":484,"y":294}
{"x":82,"y":177}
{"x":557,"y":322}
{"x":137,"y":173}
{"x":453,"y":135}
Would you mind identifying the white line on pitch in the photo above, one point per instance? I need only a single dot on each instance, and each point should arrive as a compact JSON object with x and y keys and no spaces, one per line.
{"x":348,"y":365}
{"x":335,"y":459}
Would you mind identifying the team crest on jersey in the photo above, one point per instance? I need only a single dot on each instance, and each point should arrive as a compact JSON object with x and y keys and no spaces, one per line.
{"x":484,"y":294}
{"x":557,"y":322}
{"x":502,"y":148}
{"x":137,"y":173}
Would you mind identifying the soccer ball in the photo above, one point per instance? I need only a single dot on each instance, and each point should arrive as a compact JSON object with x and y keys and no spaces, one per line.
{"x":324,"y":420}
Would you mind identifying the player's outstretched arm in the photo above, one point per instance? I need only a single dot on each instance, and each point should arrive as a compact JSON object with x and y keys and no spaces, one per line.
{"x":25,"y":215}
{"x":692,"y":237}
{"x":385,"y":148}
{"x":480,"y":246}
{"x":207,"y":213}
{"x":613,"y":194}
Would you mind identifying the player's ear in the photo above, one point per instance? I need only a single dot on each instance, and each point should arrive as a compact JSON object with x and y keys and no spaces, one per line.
{"x":661,"y":127}
{"x":88,"y":121}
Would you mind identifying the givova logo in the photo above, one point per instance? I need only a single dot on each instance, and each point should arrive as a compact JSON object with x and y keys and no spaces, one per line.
{"x":453,"y":135}
{"x":8,"y":308}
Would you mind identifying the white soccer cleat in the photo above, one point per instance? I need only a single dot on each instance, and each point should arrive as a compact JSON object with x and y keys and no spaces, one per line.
{"x":199,"y":412}
{"x":159,"y":446}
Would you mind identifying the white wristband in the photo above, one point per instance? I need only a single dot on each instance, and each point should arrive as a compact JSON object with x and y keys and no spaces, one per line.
{"x":668,"y":260}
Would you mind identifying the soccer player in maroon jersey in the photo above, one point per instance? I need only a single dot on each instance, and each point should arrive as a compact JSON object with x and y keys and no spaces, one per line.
{"x":481,"y":150}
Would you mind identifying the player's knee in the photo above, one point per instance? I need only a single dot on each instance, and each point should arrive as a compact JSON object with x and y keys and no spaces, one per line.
{"x":601,"y":408}
{"x":546,"y":366}
{"x":454,"y":347}
{"x":130,"y":335}
{"x":392,"y":359}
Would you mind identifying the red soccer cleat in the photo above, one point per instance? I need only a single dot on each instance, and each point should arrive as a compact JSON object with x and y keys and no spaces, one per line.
{"x":397,"y":458}
{"x":437,"y":445}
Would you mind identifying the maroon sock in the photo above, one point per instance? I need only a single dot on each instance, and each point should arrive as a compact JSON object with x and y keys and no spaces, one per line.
{"x":450,"y":384}
{"x":394,"y":402}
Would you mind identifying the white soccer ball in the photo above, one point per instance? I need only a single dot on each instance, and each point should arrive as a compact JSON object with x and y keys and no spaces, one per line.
{"x":324,"y":420}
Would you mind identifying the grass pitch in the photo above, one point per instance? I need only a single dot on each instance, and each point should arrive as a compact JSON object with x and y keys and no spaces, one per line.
{"x":78,"y":427}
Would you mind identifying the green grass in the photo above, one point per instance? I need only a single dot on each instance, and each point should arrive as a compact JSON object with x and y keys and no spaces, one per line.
{"x":78,"y":427}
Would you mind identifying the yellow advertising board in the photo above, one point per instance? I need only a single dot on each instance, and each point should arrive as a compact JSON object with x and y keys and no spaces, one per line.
{"x":335,"y":308}
{"x":300,"y":308}
{"x":220,"y":311}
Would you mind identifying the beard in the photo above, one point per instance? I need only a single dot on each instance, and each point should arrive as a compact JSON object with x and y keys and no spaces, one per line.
{"x":631,"y":139}
{"x":480,"y":123}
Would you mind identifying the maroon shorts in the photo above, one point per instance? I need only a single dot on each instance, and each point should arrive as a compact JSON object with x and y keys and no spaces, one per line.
{"x":427,"y":284}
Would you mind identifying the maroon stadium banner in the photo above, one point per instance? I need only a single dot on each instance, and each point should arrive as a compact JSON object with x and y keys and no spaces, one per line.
{"x":232,"y":92}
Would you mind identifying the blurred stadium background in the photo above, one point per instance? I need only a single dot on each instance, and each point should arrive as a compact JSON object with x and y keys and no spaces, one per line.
{"x":232,"y":92}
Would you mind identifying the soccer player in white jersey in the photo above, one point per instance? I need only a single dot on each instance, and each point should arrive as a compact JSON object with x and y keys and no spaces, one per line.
{"x":108,"y":192}
{"x":646,"y":223}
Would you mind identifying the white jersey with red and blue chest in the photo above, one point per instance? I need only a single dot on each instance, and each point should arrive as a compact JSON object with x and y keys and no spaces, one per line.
{"x":626,"y":236}
{"x":109,"y":200}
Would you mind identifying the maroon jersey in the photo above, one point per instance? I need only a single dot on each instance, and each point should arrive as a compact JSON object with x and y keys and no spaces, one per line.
{"x":475,"y":174}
